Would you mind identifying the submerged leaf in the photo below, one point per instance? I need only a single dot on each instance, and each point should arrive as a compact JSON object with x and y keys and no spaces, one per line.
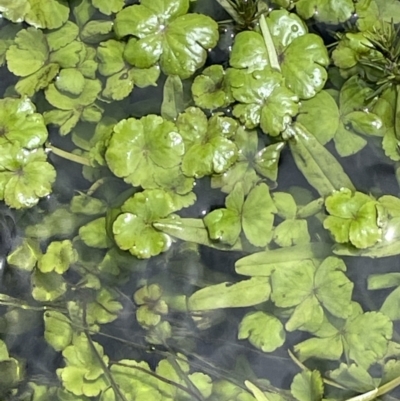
{"x":231,"y":295}
{"x":263,"y":330}
{"x":308,"y":386}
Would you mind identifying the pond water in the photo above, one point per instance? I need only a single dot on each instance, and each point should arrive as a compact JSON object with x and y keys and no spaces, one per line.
{"x":247,"y":250}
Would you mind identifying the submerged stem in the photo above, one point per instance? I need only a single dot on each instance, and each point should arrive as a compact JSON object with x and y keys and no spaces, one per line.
{"x":67,"y":155}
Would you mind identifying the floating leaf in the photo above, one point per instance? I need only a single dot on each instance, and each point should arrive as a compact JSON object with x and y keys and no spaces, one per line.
{"x":21,"y":124}
{"x":94,"y":233}
{"x":25,"y":175}
{"x":173,"y":102}
{"x":139,"y":148}
{"x":109,"y":6}
{"x":179,"y":41}
{"x":251,"y":164}
{"x":225,"y":225}
{"x":264,"y":100}
{"x":353,"y":217}
{"x":211,"y":90}
{"x":208,"y":143}
{"x":47,"y":287}
{"x":133,"y":228}
{"x":292,"y":232}
{"x":328,"y":11}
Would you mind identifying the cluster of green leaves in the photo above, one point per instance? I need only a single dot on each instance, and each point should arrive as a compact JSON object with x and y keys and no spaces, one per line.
{"x":25,"y":174}
{"x":126,"y":250}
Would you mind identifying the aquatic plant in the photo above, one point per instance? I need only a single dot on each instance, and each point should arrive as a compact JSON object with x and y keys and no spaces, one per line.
{"x":148,"y":214}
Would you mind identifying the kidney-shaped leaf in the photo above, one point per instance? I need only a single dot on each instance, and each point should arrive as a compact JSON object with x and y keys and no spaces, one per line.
{"x":179,"y":41}
{"x":263,"y":330}
{"x":138,"y":148}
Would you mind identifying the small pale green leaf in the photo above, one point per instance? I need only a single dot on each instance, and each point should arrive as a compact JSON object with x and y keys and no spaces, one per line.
{"x":57,"y":330}
{"x":47,"y":287}
{"x":59,"y":256}
{"x":292,"y":232}
{"x":223,"y":225}
{"x":263,"y":330}
{"x":94,"y":233}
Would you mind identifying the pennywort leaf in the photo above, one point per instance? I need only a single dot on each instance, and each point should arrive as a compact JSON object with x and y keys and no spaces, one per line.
{"x":158,"y":37}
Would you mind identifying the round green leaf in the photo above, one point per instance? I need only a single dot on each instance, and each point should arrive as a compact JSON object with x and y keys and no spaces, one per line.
{"x":178,"y":41}
{"x":47,"y":287}
{"x":138,"y":147}
{"x":25,"y":176}
{"x":29,"y":53}
{"x":320,"y":115}
{"x":110,"y":55}
{"x":304,"y":65}
{"x":109,"y":6}
{"x":70,"y":80}
{"x":292,"y":232}
{"x":133,"y":228}
{"x":51,"y":14}
{"x":263,"y":330}
{"x":328,"y":11}
{"x":19,"y":123}
{"x":61,"y":37}
{"x":210,"y":89}
{"x":223,"y":225}
{"x":284,"y":28}
{"x":249,"y":51}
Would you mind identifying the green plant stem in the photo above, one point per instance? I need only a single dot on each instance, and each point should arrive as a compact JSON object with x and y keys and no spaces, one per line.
{"x":397,"y":113}
{"x":304,"y":368}
{"x":117,"y":391}
{"x":67,"y":155}
{"x":269,"y":43}
{"x":96,"y":185}
{"x":158,"y":377}
{"x":6,"y":300}
{"x":193,"y":389}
